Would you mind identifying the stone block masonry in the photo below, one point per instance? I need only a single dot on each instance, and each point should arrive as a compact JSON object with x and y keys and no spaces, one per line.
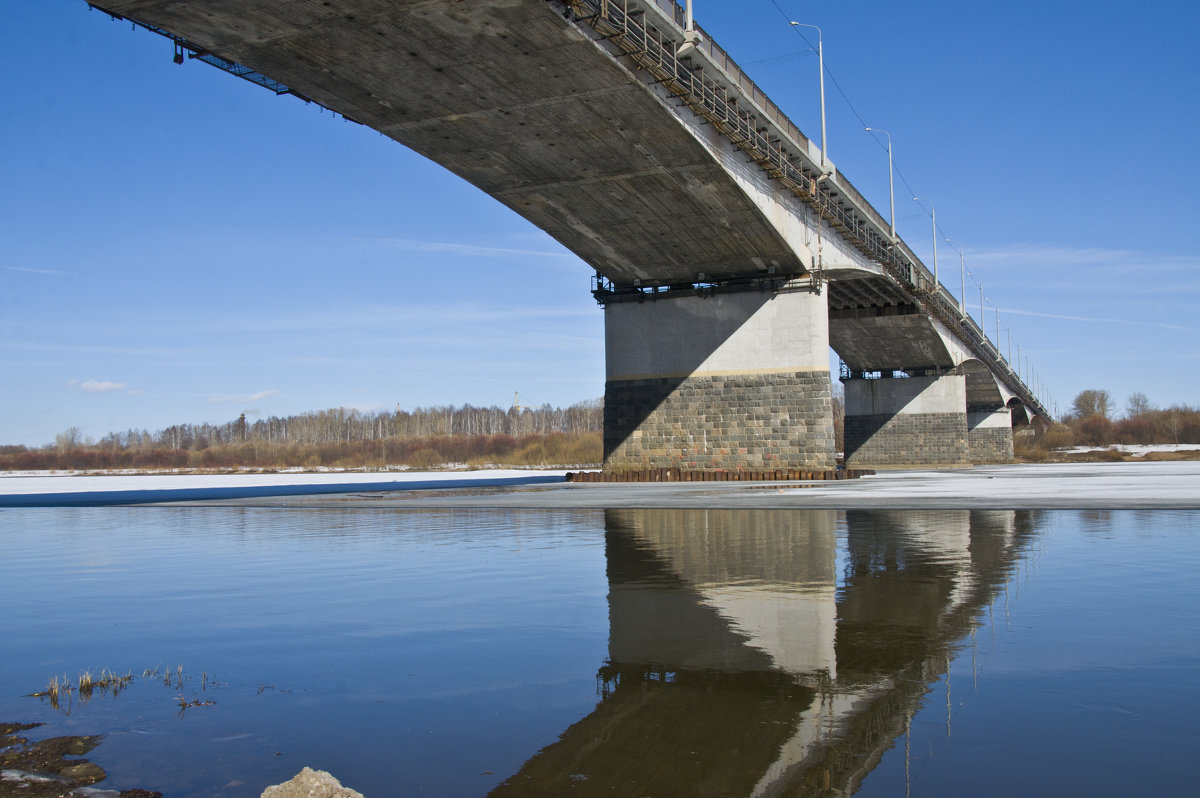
{"x":990,"y":436}
{"x":906,"y":440}
{"x":910,"y":422}
{"x":756,"y":421}
{"x":724,"y":381}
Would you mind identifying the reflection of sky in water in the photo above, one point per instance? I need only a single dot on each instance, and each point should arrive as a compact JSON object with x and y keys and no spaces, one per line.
{"x":450,"y":651}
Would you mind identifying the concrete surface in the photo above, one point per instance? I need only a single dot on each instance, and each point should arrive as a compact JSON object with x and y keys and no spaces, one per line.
{"x":517,"y":99}
{"x":727,"y":334}
{"x":735,"y":380}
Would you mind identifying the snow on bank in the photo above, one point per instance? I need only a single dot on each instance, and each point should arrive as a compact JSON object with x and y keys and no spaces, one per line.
{"x":1137,"y":450}
{"x":1117,"y":485}
{"x":1121,"y":484}
{"x":44,"y":489}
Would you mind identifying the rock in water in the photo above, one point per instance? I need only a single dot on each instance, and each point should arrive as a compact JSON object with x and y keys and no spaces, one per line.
{"x":310,"y":783}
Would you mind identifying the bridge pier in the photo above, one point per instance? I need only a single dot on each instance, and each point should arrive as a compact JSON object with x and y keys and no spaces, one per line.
{"x":990,"y":435}
{"x":906,"y":422}
{"x":701,"y":379}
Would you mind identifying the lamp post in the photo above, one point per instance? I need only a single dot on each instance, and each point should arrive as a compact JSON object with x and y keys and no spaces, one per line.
{"x":891,"y":184}
{"x":821,"y":73}
{"x":933,"y":215}
{"x":691,"y":36}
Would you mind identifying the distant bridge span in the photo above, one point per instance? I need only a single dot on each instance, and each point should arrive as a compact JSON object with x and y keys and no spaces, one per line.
{"x":727,"y":258}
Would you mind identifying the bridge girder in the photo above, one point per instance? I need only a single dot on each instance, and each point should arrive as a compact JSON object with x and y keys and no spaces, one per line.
{"x":515,"y":99}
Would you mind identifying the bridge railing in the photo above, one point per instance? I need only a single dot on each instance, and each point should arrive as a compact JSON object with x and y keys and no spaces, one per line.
{"x":738,"y":108}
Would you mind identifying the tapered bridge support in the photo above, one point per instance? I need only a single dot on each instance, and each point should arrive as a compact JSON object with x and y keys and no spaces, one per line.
{"x":703,"y":380}
{"x":906,"y":422}
{"x":990,"y":435}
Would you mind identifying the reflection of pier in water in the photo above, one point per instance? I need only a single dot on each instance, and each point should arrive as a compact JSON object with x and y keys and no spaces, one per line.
{"x":739,"y":665}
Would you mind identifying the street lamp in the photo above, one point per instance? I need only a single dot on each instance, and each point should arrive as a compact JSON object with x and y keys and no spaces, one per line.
{"x":891,"y":184}
{"x":933,"y":215}
{"x":691,"y":36}
{"x":821,"y":72}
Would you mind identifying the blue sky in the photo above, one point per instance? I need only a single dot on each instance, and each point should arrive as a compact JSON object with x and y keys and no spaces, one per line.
{"x":179,"y":245}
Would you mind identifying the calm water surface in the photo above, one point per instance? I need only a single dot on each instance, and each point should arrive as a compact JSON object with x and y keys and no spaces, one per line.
{"x":630,"y":652}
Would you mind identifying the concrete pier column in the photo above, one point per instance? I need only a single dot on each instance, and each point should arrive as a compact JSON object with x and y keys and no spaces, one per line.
{"x":990,"y":435}
{"x":717,"y":381}
{"x":906,"y":422}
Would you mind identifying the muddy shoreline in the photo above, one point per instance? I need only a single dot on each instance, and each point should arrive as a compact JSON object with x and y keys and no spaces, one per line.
{"x":53,"y":767}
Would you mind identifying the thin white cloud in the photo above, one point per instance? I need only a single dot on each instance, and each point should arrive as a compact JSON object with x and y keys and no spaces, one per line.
{"x":1039,"y":256}
{"x":1098,"y":319}
{"x":96,"y":386}
{"x":53,"y":272}
{"x":254,"y":397}
{"x":474,"y":250}
{"x":401,"y":317}
{"x":124,"y":351}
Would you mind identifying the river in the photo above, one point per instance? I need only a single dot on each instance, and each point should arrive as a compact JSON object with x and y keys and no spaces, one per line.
{"x":617,"y":652}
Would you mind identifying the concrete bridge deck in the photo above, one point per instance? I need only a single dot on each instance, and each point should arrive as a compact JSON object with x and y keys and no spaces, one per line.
{"x":729,"y":258}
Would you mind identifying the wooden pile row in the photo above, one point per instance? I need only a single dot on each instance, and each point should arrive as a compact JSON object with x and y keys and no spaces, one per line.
{"x":683,"y":475}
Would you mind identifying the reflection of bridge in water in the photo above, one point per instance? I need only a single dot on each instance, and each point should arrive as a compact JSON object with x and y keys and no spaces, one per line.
{"x":741,"y":664}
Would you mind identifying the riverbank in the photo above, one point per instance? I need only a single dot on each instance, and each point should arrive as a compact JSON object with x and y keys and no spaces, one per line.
{"x":1116,"y":485}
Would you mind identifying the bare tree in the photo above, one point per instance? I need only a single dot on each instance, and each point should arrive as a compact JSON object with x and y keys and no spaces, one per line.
{"x":1093,"y":402}
{"x":69,"y":439}
{"x":1138,"y":404}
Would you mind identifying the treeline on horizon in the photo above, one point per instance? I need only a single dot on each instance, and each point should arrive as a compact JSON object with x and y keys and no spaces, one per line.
{"x":494,"y":436}
{"x":1093,"y":420}
{"x":339,"y":438}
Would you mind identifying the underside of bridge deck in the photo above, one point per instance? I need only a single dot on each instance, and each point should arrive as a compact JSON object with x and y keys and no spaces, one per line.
{"x":514,"y":98}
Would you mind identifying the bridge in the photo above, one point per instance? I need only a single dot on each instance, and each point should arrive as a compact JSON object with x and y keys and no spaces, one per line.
{"x":730,"y":255}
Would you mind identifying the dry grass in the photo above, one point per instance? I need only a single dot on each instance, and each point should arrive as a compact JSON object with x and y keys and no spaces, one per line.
{"x":60,"y":689}
{"x":553,"y":449}
{"x":1033,"y":454}
{"x":1175,"y":456}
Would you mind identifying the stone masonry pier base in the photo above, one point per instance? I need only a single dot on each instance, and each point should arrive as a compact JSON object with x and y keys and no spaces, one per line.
{"x":990,"y":435}
{"x":723,"y":381}
{"x":906,"y":422}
